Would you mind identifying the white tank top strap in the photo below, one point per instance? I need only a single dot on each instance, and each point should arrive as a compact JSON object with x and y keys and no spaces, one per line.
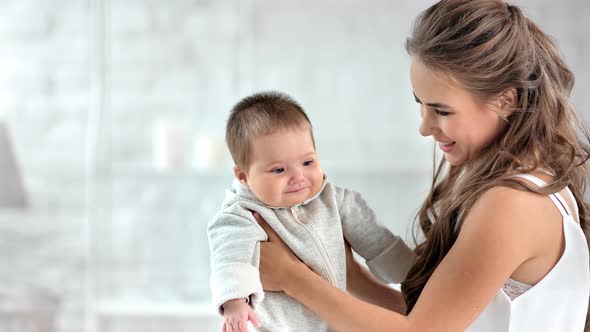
{"x":577,"y":215}
{"x":557,"y":199}
{"x":573,"y":199}
{"x":532,"y":178}
{"x":564,"y":203}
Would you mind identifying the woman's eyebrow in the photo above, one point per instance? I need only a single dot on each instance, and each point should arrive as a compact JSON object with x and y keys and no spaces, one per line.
{"x":436,"y":105}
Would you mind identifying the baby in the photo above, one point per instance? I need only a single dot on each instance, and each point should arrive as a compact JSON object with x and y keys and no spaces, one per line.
{"x":278,"y":174}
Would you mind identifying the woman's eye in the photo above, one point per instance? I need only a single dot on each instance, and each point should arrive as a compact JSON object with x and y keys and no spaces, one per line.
{"x":307,"y":163}
{"x":278,"y":170}
{"x":441,"y":113}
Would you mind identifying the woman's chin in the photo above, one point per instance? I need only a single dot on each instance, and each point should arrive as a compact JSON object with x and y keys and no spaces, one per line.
{"x":453,"y":160}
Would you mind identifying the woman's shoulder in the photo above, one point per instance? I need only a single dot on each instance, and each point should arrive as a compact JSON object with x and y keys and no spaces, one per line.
{"x":507,"y":206}
{"x":506,"y":201}
{"x":525,"y":215}
{"x":502,"y":202}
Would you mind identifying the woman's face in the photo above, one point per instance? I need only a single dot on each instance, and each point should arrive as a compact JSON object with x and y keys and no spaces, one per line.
{"x":461,"y":125}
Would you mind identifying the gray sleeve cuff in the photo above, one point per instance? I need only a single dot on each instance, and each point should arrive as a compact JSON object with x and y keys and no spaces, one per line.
{"x":392,"y":265}
{"x":234,"y":281}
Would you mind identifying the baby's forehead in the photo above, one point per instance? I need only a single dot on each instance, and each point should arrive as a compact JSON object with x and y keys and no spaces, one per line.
{"x":282,"y":145}
{"x":281,"y":133}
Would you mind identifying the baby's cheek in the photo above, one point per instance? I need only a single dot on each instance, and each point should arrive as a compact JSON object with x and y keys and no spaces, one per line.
{"x":271,"y":197}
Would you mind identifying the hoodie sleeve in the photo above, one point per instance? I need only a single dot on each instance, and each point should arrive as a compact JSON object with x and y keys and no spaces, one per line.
{"x":234,"y":246}
{"x":387,"y":255}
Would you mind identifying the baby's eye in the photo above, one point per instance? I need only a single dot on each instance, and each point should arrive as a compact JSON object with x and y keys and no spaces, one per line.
{"x":278,"y":170}
{"x":307,"y":163}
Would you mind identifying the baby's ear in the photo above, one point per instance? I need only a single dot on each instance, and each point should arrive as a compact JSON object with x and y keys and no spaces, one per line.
{"x":241,"y":175}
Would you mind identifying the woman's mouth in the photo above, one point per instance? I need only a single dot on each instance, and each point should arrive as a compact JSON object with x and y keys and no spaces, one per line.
{"x":446,"y":147}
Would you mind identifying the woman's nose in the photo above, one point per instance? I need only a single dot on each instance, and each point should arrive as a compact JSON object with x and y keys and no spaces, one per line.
{"x":428,"y":125}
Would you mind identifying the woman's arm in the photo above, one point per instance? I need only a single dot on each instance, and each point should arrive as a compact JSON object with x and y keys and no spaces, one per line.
{"x":363,"y":285}
{"x":488,"y":249}
{"x":339,"y":309}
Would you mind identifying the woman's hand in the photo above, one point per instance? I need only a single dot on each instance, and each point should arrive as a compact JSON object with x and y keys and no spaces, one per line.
{"x":352,"y":266}
{"x":277,"y":261}
{"x":362,"y":284}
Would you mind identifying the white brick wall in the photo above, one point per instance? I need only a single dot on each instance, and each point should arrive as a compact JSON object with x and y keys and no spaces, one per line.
{"x":189,"y":61}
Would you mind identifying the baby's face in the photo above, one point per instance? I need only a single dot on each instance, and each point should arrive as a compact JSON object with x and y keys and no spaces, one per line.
{"x":284,"y":169}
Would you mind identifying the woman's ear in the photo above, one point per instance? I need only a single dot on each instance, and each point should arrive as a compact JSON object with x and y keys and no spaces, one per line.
{"x":507,"y":101}
{"x":241,"y":176}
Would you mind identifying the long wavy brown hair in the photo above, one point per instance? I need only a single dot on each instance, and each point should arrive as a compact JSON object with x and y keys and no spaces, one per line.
{"x":489,"y":47}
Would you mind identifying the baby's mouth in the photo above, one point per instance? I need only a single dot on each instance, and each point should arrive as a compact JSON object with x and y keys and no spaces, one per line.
{"x":296,"y":190}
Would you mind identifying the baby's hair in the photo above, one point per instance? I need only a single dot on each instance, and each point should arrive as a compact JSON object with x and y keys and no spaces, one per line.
{"x":261,"y":114}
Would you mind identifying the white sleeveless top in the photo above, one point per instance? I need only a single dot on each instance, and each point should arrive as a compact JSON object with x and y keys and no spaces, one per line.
{"x":559,"y":301}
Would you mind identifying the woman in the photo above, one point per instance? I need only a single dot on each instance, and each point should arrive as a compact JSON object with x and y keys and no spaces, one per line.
{"x":505,"y":226}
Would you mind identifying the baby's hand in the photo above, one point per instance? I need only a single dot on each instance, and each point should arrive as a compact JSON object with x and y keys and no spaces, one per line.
{"x":236,"y":314}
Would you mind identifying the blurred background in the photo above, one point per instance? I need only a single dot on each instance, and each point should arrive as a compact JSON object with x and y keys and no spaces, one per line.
{"x":112,"y":118}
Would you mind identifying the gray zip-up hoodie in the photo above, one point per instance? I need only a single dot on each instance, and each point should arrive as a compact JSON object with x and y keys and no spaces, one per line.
{"x":315,"y":231}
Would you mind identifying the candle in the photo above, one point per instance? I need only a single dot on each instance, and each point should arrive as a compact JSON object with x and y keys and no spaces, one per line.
{"x":169,"y":145}
{"x":210,"y":153}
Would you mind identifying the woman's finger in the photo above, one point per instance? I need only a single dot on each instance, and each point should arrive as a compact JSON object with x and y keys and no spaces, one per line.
{"x":348,"y":251}
{"x":272,"y":235}
{"x":352,"y":266}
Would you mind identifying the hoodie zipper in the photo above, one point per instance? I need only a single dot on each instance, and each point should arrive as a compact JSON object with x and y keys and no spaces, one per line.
{"x":330,"y":269}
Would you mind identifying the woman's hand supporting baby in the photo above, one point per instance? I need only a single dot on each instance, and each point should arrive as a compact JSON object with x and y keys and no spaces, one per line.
{"x":279,"y":265}
{"x":277,"y":262}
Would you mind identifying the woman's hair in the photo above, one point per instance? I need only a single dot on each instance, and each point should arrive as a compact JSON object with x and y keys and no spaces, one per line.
{"x":489,"y":47}
{"x":261,"y":114}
